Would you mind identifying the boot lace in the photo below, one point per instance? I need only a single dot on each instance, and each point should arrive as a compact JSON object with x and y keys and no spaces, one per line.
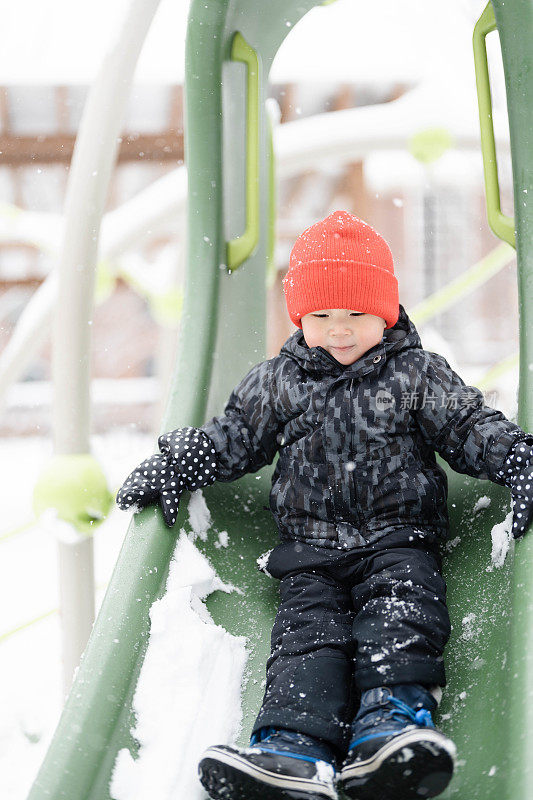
{"x":421,"y":717}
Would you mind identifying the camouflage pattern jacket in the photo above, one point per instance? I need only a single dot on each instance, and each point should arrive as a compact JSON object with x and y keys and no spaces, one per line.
{"x":357,"y":444}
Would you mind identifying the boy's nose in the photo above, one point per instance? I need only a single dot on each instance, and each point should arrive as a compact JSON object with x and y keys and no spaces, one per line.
{"x":340,"y":329}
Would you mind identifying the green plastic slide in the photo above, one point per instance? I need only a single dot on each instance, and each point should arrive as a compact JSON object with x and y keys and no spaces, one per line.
{"x":488,"y":704}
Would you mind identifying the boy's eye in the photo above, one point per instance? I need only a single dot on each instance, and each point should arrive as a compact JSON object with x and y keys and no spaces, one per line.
{"x":352,"y":314}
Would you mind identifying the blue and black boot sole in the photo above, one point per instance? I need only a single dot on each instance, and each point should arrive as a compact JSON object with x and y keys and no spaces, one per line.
{"x":227,"y":774}
{"x":410,"y":766}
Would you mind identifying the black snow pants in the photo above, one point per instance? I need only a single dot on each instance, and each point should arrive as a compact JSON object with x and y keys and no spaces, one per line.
{"x":350,"y":621}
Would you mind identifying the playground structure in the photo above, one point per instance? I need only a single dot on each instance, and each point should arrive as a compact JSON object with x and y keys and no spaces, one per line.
{"x":229,"y":52}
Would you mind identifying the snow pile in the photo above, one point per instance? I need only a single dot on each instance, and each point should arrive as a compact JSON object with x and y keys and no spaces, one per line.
{"x":501,"y":540}
{"x":482,"y":503}
{"x":199,"y":515}
{"x":262,"y":562}
{"x":189,"y":690}
{"x":200,"y":521}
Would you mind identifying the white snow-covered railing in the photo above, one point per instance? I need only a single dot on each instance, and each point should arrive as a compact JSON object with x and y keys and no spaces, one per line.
{"x":91,"y":168}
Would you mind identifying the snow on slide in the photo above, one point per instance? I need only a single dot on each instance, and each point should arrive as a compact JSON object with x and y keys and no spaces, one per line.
{"x":189,"y":691}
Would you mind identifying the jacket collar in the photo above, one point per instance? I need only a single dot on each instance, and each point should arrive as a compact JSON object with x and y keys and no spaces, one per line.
{"x":317,"y":361}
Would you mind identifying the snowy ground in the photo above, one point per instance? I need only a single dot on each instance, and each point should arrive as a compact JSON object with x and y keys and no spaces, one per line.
{"x":174,"y":701}
{"x":30,"y":664}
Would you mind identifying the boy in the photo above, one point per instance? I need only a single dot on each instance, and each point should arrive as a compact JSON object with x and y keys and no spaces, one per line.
{"x":356,"y":408}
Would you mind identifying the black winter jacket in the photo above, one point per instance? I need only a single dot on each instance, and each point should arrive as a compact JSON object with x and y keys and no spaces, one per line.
{"x":357,"y":444}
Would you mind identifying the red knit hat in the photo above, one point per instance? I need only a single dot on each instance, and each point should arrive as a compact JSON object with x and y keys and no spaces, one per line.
{"x":341,"y":262}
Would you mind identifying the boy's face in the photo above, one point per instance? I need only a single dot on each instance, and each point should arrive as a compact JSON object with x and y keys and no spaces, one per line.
{"x":344,"y":333}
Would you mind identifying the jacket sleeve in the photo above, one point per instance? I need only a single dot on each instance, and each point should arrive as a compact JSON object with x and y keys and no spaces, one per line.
{"x":245,"y":435}
{"x":473,"y":438}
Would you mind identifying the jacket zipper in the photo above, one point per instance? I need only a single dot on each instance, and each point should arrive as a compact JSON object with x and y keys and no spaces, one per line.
{"x":330,"y":501}
{"x":339,"y":511}
{"x":351,"y":474}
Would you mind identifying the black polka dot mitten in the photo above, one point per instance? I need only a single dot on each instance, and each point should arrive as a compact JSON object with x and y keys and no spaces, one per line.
{"x":187,"y":461}
{"x":517,"y":473}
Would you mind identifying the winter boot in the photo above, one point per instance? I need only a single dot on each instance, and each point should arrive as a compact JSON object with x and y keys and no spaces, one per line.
{"x":279,"y":765}
{"x":396,"y":753}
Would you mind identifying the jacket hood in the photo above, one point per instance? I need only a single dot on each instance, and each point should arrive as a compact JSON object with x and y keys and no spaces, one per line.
{"x":402,"y":336}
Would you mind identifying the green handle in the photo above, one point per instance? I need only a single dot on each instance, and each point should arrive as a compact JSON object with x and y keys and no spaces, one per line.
{"x":239,"y":249}
{"x":502,"y":225}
